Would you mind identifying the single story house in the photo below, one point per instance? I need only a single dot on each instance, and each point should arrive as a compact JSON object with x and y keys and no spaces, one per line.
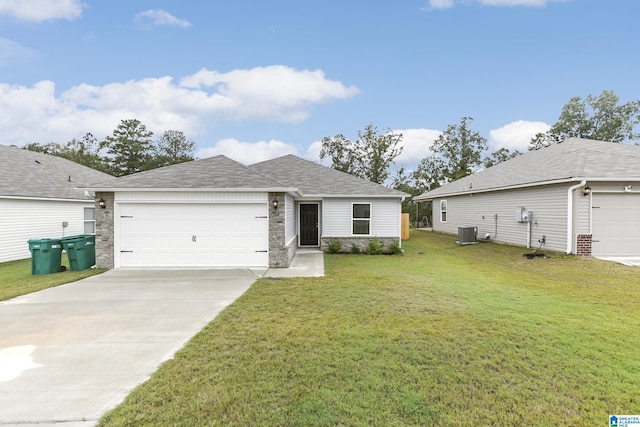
{"x":216,"y":212}
{"x":39,"y":198}
{"x":579,"y":196}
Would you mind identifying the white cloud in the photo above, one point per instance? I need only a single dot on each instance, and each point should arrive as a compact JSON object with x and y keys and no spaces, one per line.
{"x":42,"y":10}
{"x":248,"y":152}
{"x":39,"y":114}
{"x":417,"y":145}
{"x":272,"y":93}
{"x":448,"y":4}
{"x":516,"y":135}
{"x":11,"y":51}
{"x":439,"y":4}
{"x":154,"y":17}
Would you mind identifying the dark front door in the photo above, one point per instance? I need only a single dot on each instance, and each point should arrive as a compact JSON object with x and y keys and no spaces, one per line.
{"x":308,"y":224}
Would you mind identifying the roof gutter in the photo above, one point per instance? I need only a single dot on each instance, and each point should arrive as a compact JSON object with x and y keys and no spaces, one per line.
{"x":570,"y":214}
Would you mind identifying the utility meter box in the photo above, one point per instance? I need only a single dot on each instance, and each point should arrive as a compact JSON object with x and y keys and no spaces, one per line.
{"x":520,"y":214}
{"x":527,"y":216}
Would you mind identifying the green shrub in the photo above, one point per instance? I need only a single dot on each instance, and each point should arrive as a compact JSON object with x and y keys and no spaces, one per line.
{"x":334,"y":246}
{"x":355,"y":249}
{"x":374,"y":247}
{"x":394,"y":248}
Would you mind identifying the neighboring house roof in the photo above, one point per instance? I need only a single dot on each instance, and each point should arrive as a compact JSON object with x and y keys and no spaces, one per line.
{"x":572,"y":160}
{"x":30,"y":174}
{"x":284,"y":174}
{"x":313,"y":179}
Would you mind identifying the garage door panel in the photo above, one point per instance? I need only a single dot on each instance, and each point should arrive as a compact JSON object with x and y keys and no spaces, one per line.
{"x":615,"y":224}
{"x":193,"y":235}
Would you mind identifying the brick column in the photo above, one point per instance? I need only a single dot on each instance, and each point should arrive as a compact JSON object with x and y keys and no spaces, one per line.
{"x":583,"y":245}
{"x":278,"y":253}
{"x":104,"y":231}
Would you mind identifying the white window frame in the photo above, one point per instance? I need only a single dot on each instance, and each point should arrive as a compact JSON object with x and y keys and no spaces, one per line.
{"x":353,"y":219}
{"x":443,"y":204}
{"x":89,"y":221}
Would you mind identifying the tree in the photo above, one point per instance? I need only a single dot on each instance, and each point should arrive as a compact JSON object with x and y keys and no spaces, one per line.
{"x":457,"y":153}
{"x":369,"y":157}
{"x":85,"y":152}
{"x":51,"y":148}
{"x":130,"y":148}
{"x":501,"y":155}
{"x":600,"y":118}
{"x":173,"y":147}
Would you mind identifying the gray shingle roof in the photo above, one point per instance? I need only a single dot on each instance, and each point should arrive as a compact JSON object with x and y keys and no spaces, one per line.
{"x":313,"y":179}
{"x":26,"y":173}
{"x":573,"y":159}
{"x":287,"y":173}
{"x":217,"y":172}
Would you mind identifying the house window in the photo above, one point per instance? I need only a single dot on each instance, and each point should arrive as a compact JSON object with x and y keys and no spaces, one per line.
{"x":89,"y":221}
{"x":361,"y":218}
{"x":443,"y":211}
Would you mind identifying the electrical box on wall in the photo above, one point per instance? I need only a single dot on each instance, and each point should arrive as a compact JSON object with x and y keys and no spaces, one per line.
{"x":519,"y":214}
{"x":527,"y":216}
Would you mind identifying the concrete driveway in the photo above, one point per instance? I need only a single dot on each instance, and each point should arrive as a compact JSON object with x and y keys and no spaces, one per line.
{"x":71,"y":353}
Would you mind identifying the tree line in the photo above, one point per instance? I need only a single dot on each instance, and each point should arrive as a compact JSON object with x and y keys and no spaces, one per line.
{"x":457,"y":152}
{"x":129,"y":149}
{"x":460,"y":151}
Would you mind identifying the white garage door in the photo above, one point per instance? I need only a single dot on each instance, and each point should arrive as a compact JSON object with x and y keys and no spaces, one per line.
{"x":615,"y":224}
{"x":193,"y":235}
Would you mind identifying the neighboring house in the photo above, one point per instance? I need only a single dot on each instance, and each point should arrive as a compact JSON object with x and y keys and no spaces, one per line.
{"x":579,"y":196}
{"x":216,"y":212}
{"x":39,"y":198}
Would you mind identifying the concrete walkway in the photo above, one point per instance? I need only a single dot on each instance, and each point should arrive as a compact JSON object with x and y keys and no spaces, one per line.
{"x":628,"y":261}
{"x":306,"y":263}
{"x":71,"y":353}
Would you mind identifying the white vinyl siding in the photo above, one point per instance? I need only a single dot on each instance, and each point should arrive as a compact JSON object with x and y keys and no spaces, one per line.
{"x":191,"y":197}
{"x":494,"y":213}
{"x":24,"y":219}
{"x":337,"y":217}
{"x":289,"y":218}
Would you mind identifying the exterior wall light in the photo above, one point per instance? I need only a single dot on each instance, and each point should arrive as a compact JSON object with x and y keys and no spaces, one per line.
{"x":586,"y":191}
{"x":275,"y":203}
{"x":102,"y":203}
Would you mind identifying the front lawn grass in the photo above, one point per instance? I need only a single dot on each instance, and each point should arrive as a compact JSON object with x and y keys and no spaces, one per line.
{"x":445,"y":335}
{"x":16,"y":278}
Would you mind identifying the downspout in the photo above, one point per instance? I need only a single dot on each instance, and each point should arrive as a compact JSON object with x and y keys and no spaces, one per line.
{"x":570,"y":215}
{"x":529,"y":220}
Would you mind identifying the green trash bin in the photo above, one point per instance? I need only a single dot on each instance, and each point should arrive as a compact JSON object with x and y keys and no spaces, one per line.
{"x":46,"y":256}
{"x":81,"y":251}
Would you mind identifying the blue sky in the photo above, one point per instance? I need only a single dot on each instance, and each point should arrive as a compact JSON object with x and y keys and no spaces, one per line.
{"x":255,"y":80}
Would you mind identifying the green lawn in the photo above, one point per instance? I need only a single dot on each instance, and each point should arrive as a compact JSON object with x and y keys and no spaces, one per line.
{"x":445,"y":335}
{"x":16,"y":278}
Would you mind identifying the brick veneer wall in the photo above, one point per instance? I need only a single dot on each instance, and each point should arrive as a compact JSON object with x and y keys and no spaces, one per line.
{"x":280,"y":255}
{"x":104,"y":231}
{"x":583,"y":245}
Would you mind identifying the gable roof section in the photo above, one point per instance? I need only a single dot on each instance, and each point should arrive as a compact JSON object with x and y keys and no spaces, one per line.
{"x":572,"y":160}
{"x":284,"y":174}
{"x":30,"y":174}
{"x":212,"y":173}
{"x":314,"y":180}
